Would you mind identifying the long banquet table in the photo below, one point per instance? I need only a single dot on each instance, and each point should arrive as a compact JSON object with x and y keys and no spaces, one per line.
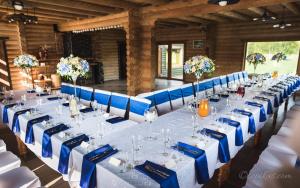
{"x":178,"y":123}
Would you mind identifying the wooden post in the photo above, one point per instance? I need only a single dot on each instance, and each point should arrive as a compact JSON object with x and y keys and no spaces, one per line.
{"x":275,"y":117}
{"x":224,"y":173}
{"x":21,"y":147}
{"x":257,"y":138}
{"x":286,"y":105}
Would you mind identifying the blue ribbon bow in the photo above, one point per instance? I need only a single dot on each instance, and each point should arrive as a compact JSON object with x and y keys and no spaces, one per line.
{"x":115,"y":120}
{"x":199,"y":155}
{"x":16,"y":123}
{"x":47,"y":144}
{"x":224,"y":155}
{"x":88,"y":170}
{"x":262,"y":113}
{"x":270,"y":108}
{"x":251,"y":125}
{"x":239,"y":140}
{"x":29,"y":137}
{"x":165,"y":177}
{"x":66,"y":149}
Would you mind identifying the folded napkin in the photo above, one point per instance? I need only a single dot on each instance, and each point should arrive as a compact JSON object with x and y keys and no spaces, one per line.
{"x":276,"y":102}
{"x":199,"y":155}
{"x":42,"y":94}
{"x":165,"y":177}
{"x":46,"y":143}
{"x":66,"y":104}
{"x":16,"y":123}
{"x":29,"y":137}
{"x":224,"y":95}
{"x":262,"y":113}
{"x":251,"y":125}
{"x":31,"y":91}
{"x":5,"y":115}
{"x":116,"y":120}
{"x":53,"y":98}
{"x":224,"y":155}
{"x":270,"y":108}
{"x":88,"y":170}
{"x":214,"y":99}
{"x":66,"y":149}
{"x":86,"y":110}
{"x":239,"y":140}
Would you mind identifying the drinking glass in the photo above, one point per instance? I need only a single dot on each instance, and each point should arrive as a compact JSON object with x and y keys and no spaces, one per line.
{"x":195,"y":125}
{"x":150,"y":116}
{"x":214,"y":112}
{"x":100,"y":132}
{"x":166,"y":140}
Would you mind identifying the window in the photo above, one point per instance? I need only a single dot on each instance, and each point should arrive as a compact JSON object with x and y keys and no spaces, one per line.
{"x":290,"y":48}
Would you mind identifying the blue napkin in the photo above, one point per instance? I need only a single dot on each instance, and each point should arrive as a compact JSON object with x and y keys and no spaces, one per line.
{"x":88,"y":170}
{"x":239,"y":140}
{"x":47,"y":144}
{"x":262,"y":113}
{"x":116,"y":120}
{"x":66,"y":149}
{"x":276,"y":102}
{"x":281,"y":95}
{"x":214,"y":100}
{"x":66,"y":104}
{"x":53,"y":98}
{"x":29,"y":137}
{"x":86,"y":110}
{"x":224,"y":95}
{"x":5,"y":115}
{"x":224,"y":155}
{"x":165,"y":177}
{"x":30,"y":91}
{"x":199,"y":155}
{"x":251,"y":126}
{"x":42,"y":94}
{"x":16,"y":123}
{"x":270,"y":108}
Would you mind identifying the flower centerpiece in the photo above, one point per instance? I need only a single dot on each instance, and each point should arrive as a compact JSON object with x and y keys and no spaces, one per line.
{"x":199,"y":65}
{"x":26,"y":62}
{"x":256,"y":59}
{"x":279,"y":57}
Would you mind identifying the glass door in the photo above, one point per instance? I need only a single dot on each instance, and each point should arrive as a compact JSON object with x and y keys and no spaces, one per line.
{"x":170,"y":60}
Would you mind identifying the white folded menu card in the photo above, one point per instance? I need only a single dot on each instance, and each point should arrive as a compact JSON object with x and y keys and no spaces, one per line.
{"x":200,"y":145}
{"x":114,"y":161}
{"x":106,"y":115}
{"x":62,"y":134}
{"x":85,"y":145}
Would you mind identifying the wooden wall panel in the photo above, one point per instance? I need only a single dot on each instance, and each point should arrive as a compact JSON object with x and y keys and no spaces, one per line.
{"x":105,"y":50}
{"x":231,"y":38}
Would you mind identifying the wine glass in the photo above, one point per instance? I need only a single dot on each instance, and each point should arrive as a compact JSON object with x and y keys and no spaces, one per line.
{"x":166,"y":140}
{"x":214,"y":112}
{"x":195,"y":125}
{"x":150,"y":116}
{"x":100,"y":132}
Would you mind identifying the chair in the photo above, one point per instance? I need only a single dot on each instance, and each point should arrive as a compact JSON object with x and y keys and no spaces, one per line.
{"x":217,"y":84}
{"x":245,"y":75}
{"x":20,"y":177}
{"x":86,"y":95}
{"x":206,"y":87}
{"x":162,"y":102}
{"x":102,"y":97}
{"x":8,"y":161}
{"x":118,"y":104}
{"x":176,"y":98}
{"x":149,"y":96}
{"x":241,"y":77}
{"x":230,"y":79}
{"x":2,"y":146}
{"x":137,"y":107}
{"x":223,"y":80}
{"x":65,"y":88}
{"x":236,"y":77}
{"x":187,"y":92}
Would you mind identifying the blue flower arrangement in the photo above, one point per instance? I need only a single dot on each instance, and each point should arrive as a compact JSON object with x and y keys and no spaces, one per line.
{"x":198,"y":65}
{"x":279,"y":57}
{"x":256,"y":59}
{"x":26,"y":61}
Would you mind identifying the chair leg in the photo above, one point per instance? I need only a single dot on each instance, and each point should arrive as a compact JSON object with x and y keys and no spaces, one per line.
{"x":21,"y":147}
{"x":223,"y":173}
{"x":275,"y":118}
{"x":286,"y":104}
{"x":257,"y":138}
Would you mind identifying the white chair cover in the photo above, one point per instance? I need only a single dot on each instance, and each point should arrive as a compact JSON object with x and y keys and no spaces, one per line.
{"x":2,"y":146}
{"x":8,"y":161}
{"x":162,"y":101}
{"x":137,"y":108}
{"x":20,"y":177}
{"x":223,"y":81}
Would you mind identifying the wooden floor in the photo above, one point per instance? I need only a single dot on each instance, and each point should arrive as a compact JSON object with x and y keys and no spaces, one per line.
{"x":240,"y":165}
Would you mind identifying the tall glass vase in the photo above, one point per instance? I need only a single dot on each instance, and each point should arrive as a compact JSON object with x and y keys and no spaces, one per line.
{"x":27,"y":81}
{"x":74,"y":79}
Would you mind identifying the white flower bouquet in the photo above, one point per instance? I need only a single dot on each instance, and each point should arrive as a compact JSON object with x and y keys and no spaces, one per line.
{"x":198,"y":65}
{"x":72,"y":67}
{"x":26,"y":61}
{"x":256,"y":59}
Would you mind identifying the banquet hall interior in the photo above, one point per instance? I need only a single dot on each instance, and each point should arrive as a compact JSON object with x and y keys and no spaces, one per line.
{"x":149,"y":93}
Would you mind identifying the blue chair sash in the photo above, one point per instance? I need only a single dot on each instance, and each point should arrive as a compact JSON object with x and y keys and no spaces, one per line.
{"x":199,"y":155}
{"x":224,"y":81}
{"x":66,"y":149}
{"x":88,"y":171}
{"x":162,"y":97}
{"x":29,"y":137}
{"x":86,"y":95}
{"x":187,"y":91}
{"x":46,"y":143}
{"x":262,"y":113}
{"x":5,"y":115}
{"x":239,"y":140}
{"x":175,"y":94}
{"x":119,"y":102}
{"x":165,"y":177}
{"x":223,"y":153}
{"x":217,"y":82}
{"x":230,"y":78}
{"x":236,"y":76}
{"x":245,"y":75}
{"x":251,"y":126}
{"x":102,"y":98}
{"x":16,"y":123}
{"x":270,"y":108}
{"x":138,"y":107}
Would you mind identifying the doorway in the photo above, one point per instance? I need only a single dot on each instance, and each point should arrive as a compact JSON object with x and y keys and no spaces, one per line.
{"x":122,"y":60}
{"x":170,"y":60}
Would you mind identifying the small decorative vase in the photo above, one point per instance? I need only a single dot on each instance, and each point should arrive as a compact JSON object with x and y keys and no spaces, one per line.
{"x":203,"y":110}
{"x":73,"y":101}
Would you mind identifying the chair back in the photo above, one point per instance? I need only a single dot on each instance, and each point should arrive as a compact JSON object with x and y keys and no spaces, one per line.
{"x":176,"y":97}
{"x":86,"y":95}
{"x":102,"y":97}
{"x":187,"y":92}
{"x":118,"y":104}
{"x":162,"y":102}
{"x":137,"y":108}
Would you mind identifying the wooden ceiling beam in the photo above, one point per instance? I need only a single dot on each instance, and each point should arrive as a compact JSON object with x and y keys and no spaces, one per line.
{"x":114,"y":3}
{"x":195,"y":19}
{"x":212,"y":17}
{"x":234,"y":15}
{"x":179,"y":21}
{"x":257,"y":10}
{"x":292,"y":7}
{"x":153,"y":2}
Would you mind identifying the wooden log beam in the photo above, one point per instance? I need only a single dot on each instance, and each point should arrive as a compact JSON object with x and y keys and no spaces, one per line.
{"x":261,"y":11}
{"x":234,"y":15}
{"x":292,"y":7}
{"x":212,"y":17}
{"x":180,"y":21}
{"x":114,"y":3}
{"x":196,"y":19}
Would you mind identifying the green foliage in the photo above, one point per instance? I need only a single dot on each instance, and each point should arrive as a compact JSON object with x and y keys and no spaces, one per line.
{"x":287,"y":47}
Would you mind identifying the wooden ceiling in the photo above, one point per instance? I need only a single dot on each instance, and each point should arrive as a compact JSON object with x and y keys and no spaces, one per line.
{"x":58,"y":11}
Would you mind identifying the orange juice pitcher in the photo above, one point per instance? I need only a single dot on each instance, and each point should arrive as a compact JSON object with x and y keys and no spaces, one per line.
{"x":203,"y":110}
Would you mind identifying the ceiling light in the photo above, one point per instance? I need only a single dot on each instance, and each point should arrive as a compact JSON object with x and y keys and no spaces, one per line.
{"x":222,"y":3}
{"x":18,"y":5}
